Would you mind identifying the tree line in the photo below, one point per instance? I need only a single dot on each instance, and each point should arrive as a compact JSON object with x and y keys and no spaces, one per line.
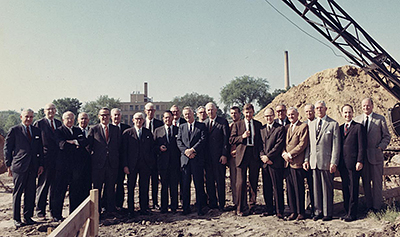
{"x":239,"y":91}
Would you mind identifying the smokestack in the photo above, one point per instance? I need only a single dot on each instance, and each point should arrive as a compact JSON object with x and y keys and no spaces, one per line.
{"x":287,"y":84}
{"x":145,"y":89}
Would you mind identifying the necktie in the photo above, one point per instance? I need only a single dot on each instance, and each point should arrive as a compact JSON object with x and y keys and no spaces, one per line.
{"x":268,"y":128}
{"x":346,"y":129}
{"x":169,"y":134}
{"x":190,"y":130}
{"x":84,"y":132}
{"x":106,"y":130}
{"x":250,"y":137}
{"x":174,"y":122}
{"x":29,"y":133}
{"x":140,"y":133}
{"x":52,"y":124}
{"x":319,"y":128}
{"x":366,"y":124}
{"x":150,"y":126}
{"x":211,"y":125}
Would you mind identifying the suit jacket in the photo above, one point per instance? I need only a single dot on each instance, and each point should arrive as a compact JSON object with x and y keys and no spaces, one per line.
{"x":135,"y":149}
{"x":296,"y":144}
{"x":156,"y":124}
{"x":378,"y":136}
{"x":170,"y":157}
{"x":353,"y":145}
{"x":197,"y":141}
{"x":100,"y":149}
{"x":50,"y":146}
{"x":70,"y":157}
{"x":324,"y":150}
{"x":286,"y":121}
{"x":236,"y":139}
{"x":19,"y":152}
{"x":123,"y":127}
{"x":218,"y":139}
{"x":181,"y":121}
{"x":273,"y":144}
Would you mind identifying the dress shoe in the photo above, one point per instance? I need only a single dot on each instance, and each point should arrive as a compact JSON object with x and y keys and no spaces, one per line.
{"x":279,"y":215}
{"x":267,"y":214}
{"x":185,"y":212}
{"x":17,"y":223}
{"x":29,"y":221}
{"x":41,"y":216}
{"x":173,"y":211}
{"x":327,"y":218}
{"x":292,"y":217}
{"x":57,"y":219}
{"x":200,"y":213}
{"x":131,"y":215}
{"x":317,"y":217}
{"x":300,"y":217}
{"x":350,"y":219}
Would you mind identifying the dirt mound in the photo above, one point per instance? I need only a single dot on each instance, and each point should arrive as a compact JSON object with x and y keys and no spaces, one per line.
{"x":338,"y":86}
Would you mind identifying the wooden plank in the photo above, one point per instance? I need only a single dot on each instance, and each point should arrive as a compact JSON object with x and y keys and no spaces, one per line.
{"x":391,"y":171}
{"x":94,"y":212}
{"x":71,"y":225}
{"x":86,"y":230}
{"x":391,"y":193}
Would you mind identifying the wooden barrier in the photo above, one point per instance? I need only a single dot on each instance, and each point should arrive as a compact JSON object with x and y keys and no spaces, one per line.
{"x":84,"y":219}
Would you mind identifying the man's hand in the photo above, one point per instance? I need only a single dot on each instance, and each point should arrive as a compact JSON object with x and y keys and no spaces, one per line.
{"x":188,"y":152}
{"x":233,"y":153}
{"x":193,"y":155}
{"x":359,"y":166}
{"x":264,"y":159}
{"x":126,"y":170}
{"x":9,"y":172}
{"x":40,"y":170}
{"x":246,"y":134}
{"x":306,"y":166}
{"x":163,"y":148}
{"x":286,"y":157}
{"x":332,"y":169}
{"x":223,"y":160}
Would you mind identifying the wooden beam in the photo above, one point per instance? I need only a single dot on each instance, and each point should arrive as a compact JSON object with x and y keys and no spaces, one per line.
{"x":94,"y":212}
{"x":71,"y":225}
{"x":391,"y":170}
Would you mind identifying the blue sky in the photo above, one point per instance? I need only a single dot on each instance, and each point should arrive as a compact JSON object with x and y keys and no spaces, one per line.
{"x":83,"y":49}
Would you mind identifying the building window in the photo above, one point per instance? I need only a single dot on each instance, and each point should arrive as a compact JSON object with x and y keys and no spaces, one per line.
{"x":142,"y":107}
{"x":157,"y":116}
{"x":131,"y":107}
{"x":157,"y":107}
{"x":137,"y":107}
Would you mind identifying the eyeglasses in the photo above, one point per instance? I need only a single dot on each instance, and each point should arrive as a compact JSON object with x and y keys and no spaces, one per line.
{"x":280,"y":111}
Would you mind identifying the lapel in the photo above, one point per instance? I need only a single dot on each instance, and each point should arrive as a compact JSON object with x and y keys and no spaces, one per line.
{"x":290,"y":133}
{"x":271,"y":131}
{"x":192,"y":133}
{"x":25,"y":133}
{"x":323,"y":128}
{"x":215,"y":124}
{"x":349,"y":129}
{"x":371,"y":123}
{"x":104,"y":135}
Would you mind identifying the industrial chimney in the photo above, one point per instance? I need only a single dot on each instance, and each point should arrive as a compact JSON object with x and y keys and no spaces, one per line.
{"x":145,"y":90}
{"x":287,"y":84}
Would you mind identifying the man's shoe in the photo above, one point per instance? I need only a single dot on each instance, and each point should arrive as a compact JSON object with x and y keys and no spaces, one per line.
{"x":186,"y":212}
{"x":17,"y":224}
{"x":343,"y":217}
{"x":41,"y":216}
{"x":292,"y":217}
{"x":29,"y":221}
{"x":145,"y":213}
{"x":327,"y":218}
{"x":279,"y":215}
{"x":267,"y":214}
{"x":163,"y":211}
{"x":317,"y":217}
{"x":300,"y":217}
{"x":131,"y":215}
{"x":200,"y":213}
{"x":350,"y":219}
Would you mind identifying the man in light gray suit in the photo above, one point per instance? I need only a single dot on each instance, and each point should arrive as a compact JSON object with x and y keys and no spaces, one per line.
{"x":378,"y":138}
{"x":323,"y":158}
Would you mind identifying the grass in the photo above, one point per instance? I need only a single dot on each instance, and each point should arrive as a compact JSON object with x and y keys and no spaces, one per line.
{"x":391,"y":213}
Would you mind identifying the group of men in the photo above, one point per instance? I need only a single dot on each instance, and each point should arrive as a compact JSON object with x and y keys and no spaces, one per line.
{"x":175,"y":150}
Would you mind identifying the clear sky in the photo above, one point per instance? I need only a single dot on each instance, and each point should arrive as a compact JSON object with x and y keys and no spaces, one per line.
{"x":82,"y":49}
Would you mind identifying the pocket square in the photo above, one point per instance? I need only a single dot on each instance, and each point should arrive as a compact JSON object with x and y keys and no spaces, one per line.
{"x":36,"y":137}
{"x":328,"y":132}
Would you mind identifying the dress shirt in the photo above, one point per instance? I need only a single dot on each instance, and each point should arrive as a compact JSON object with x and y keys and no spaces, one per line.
{"x":369,"y":120}
{"x":246,"y":122}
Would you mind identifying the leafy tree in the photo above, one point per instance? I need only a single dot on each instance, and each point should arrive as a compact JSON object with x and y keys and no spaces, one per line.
{"x":6,"y":122}
{"x":194,"y":100}
{"x":243,"y":90}
{"x":66,"y":104}
{"x":40,"y":114}
{"x":12,"y":120}
{"x":92,"y":107}
{"x":264,"y":101}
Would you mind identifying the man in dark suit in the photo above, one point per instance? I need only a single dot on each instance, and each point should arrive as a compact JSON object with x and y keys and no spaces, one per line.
{"x":138,"y":160}
{"x":83,"y":125}
{"x":50,"y":150}
{"x":201,"y":113}
{"x":351,"y":161}
{"x":378,"y":138}
{"x":296,"y":143}
{"x":177,"y":116}
{"x":69,"y":167}
{"x":217,"y":156}
{"x":273,"y":142}
{"x":282,"y":118}
{"x":168,"y":156}
{"x":323,"y":159}
{"x":245,"y":135}
{"x":191,"y":143}
{"x":152,"y":123}
{"x":235,"y":116}
{"x":23,"y":154}
{"x":119,"y":192}
{"x":104,"y":146}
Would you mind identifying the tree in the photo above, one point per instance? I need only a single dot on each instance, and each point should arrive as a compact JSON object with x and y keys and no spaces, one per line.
{"x":12,"y":120}
{"x":66,"y":104}
{"x":243,"y":90}
{"x":8,"y":119}
{"x":92,"y":107}
{"x":194,"y":100}
{"x":264,"y":101}
{"x":40,"y":114}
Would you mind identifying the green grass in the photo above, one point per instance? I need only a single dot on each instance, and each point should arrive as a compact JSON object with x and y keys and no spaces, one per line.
{"x":389,"y":214}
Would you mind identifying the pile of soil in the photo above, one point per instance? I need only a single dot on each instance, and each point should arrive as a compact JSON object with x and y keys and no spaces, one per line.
{"x":338,"y":86}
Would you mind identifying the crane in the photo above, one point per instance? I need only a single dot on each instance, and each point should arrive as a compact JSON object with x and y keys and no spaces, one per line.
{"x":340,"y":29}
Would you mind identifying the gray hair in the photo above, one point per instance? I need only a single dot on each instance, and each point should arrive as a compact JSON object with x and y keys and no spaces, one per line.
{"x":139,"y":114}
{"x":200,"y":107}
{"x":149,"y":105}
{"x":25,"y":111}
{"x":65,"y":114}
{"x":115,"y":110}
{"x":293,"y":108}
{"x":320,"y":102}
